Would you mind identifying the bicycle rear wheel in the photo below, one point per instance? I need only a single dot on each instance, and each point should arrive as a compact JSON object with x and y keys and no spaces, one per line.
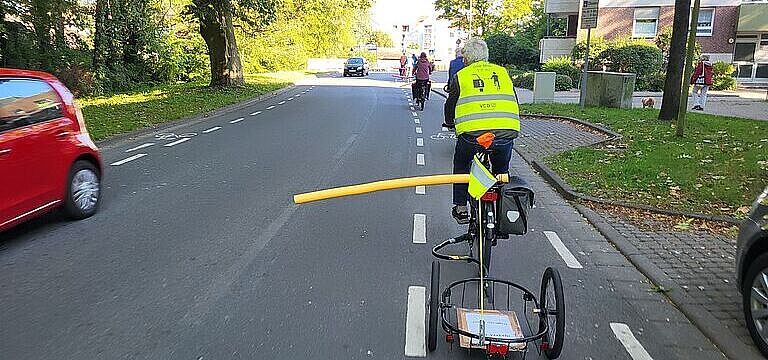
{"x":434,"y":306}
{"x":489,"y":235}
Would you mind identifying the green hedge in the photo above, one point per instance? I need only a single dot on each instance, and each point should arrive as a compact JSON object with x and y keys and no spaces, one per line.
{"x":563,"y":66}
{"x":508,"y":50}
{"x":563,"y":83}
{"x":637,"y":56}
{"x":524,"y":81}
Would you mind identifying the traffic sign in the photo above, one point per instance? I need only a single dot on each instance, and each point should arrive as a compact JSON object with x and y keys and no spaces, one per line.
{"x":589,"y":14}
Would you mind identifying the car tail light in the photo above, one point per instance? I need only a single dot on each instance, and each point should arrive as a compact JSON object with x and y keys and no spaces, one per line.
{"x":490,"y":196}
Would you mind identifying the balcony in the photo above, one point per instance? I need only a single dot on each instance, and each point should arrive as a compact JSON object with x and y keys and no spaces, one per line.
{"x":561,"y":6}
{"x":556,"y":46}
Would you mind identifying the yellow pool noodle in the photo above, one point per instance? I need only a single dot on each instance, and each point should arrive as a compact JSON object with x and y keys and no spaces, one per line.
{"x":386,"y":185}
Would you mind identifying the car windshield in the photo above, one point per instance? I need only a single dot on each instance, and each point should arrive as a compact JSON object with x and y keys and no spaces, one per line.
{"x":355,"y":61}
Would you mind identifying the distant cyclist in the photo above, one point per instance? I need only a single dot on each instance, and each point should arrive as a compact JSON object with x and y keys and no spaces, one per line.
{"x":456,"y":65}
{"x":421,"y":71}
{"x":481,"y":98}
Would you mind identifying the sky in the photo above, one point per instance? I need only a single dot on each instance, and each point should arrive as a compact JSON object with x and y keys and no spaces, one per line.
{"x":386,"y":12}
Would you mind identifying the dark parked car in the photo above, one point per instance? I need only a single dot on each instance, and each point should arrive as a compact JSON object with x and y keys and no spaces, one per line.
{"x":752,"y":271}
{"x":47,"y":158}
{"x":356,"y":66}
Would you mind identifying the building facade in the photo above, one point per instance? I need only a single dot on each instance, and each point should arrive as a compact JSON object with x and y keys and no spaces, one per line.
{"x":734,"y":31}
{"x":430,"y":35}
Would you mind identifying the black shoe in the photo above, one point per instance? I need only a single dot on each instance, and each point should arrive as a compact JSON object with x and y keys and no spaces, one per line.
{"x":461,"y":217}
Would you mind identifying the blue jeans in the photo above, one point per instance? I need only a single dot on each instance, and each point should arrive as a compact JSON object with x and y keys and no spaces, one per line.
{"x":466,"y":148}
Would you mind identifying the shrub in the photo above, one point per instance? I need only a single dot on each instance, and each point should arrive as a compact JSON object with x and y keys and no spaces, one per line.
{"x":563,"y":83}
{"x":562,"y":66}
{"x":513,"y":71}
{"x":507,"y":50}
{"x":634,"y":56}
{"x":524,"y":81}
{"x":596,"y":46}
{"x":722,"y":76}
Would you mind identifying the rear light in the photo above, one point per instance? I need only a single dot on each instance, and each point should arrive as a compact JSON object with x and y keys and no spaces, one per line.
{"x":490,"y":196}
{"x":449,"y":338}
{"x":497,"y":349}
{"x":544,"y":346}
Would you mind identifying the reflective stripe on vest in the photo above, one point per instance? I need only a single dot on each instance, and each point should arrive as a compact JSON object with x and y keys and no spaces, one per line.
{"x":487,"y":100}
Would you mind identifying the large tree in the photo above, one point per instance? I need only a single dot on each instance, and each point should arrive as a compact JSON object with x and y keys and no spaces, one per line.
{"x":487,"y":16}
{"x":674,"y":80}
{"x":216,"y":19}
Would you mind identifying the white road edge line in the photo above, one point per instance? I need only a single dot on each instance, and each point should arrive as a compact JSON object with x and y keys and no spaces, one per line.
{"x":633,"y":347}
{"x":419,"y":142}
{"x":255,"y":113}
{"x":177,"y":142}
{"x":420,"y":159}
{"x":140,"y":147}
{"x":129,"y":159}
{"x":417,"y":121}
{"x":236,"y":120}
{"x":418,"y":130}
{"x":290,"y":99}
{"x":566,"y":254}
{"x":415,"y":330}
{"x":271,"y":107}
{"x":212,"y":129}
{"x":421,"y":190}
{"x":414,"y":113}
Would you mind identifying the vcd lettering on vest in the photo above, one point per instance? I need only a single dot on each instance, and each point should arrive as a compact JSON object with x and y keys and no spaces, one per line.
{"x":487,"y":105}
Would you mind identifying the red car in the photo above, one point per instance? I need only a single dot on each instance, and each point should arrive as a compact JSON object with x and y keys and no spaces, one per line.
{"x":47,"y":158}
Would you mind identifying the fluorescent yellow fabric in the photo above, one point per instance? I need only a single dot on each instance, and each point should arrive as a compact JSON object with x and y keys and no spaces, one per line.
{"x":487,"y":100}
{"x":480,"y":179}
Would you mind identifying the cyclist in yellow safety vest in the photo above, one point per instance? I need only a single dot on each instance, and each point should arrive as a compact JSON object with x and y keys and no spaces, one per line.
{"x":481,"y":99}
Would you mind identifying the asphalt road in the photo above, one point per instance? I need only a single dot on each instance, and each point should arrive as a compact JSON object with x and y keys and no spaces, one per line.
{"x":199,"y":253}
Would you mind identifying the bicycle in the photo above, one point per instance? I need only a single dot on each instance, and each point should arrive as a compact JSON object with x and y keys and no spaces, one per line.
{"x":422,"y":94}
{"x":485,"y":229}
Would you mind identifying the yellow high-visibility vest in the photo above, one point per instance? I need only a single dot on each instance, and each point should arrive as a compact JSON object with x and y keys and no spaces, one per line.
{"x":487,"y":100}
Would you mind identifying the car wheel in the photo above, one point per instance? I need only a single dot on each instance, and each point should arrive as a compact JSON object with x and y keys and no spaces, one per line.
{"x":83,"y":190}
{"x":754,"y":293}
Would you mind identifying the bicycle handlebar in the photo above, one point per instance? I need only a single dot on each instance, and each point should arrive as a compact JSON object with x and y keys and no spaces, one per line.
{"x":386,"y":185}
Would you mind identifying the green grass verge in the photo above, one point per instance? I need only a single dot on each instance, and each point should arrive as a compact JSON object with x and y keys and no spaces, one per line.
{"x":718,"y":168}
{"x":115,"y":114}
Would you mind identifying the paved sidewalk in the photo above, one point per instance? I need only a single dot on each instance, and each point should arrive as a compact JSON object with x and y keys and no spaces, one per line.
{"x":698,"y":263}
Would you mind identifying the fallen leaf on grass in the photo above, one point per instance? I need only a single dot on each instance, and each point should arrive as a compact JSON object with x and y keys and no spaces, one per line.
{"x":684,"y":225}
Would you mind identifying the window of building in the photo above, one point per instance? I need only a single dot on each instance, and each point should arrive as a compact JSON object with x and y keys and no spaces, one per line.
{"x":763,"y":41}
{"x":646,"y":22}
{"x":706,"y":19}
{"x":744,"y":52}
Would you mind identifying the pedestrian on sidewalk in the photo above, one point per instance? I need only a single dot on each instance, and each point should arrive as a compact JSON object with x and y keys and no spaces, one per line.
{"x":403,"y":61}
{"x":456,"y":65}
{"x":701,"y":81}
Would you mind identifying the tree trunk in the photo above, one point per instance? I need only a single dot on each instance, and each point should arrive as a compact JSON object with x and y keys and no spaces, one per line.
{"x":672,"y":85}
{"x":99,"y":43}
{"x":218,"y":32}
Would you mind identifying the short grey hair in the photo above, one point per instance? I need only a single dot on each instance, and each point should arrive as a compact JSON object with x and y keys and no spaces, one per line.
{"x":475,"y":50}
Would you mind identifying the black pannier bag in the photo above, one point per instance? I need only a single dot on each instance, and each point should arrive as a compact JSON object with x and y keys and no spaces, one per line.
{"x":516,"y":201}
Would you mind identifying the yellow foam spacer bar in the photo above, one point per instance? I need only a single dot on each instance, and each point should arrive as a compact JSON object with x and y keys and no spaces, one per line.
{"x":387,"y":185}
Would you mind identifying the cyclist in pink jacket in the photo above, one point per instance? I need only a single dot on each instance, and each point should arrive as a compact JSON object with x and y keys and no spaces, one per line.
{"x":422,"y":70}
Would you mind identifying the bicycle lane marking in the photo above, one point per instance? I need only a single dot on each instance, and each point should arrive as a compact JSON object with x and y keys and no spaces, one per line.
{"x":630,"y":342}
{"x":211,"y":129}
{"x":128,"y":159}
{"x":561,"y":249}
{"x":415,"y":330}
{"x":177,"y":142}
{"x":420,"y":160}
{"x":145,"y":145}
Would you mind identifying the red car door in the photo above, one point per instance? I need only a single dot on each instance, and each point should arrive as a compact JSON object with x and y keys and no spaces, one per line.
{"x":31,"y":126}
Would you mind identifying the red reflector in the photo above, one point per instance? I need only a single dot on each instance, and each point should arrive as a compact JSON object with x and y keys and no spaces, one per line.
{"x":449,"y":338}
{"x":498,"y":349}
{"x":544,"y":346}
{"x":490,"y":196}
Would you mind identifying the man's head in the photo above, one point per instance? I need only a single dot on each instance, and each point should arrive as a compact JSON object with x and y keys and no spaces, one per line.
{"x":475,"y":50}
{"x":458,"y":53}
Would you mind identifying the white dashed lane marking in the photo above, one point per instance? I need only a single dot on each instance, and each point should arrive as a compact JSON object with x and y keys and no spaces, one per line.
{"x":420,"y":159}
{"x":281,"y":103}
{"x":420,"y":142}
{"x":421,"y":190}
{"x":129,"y":159}
{"x":271,"y":107}
{"x":255,"y":113}
{"x":417,"y":121}
{"x":566,"y":254}
{"x":212,"y":129}
{"x":177,"y":142}
{"x":415,"y":330}
{"x":236,"y":120}
{"x":419,"y":229}
{"x":140,"y":147}
{"x":633,"y":347}
{"x":414,"y":113}
{"x":418,"y":130}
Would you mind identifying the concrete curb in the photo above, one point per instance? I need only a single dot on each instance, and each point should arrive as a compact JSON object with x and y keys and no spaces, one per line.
{"x":189,"y":120}
{"x":720,"y":335}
